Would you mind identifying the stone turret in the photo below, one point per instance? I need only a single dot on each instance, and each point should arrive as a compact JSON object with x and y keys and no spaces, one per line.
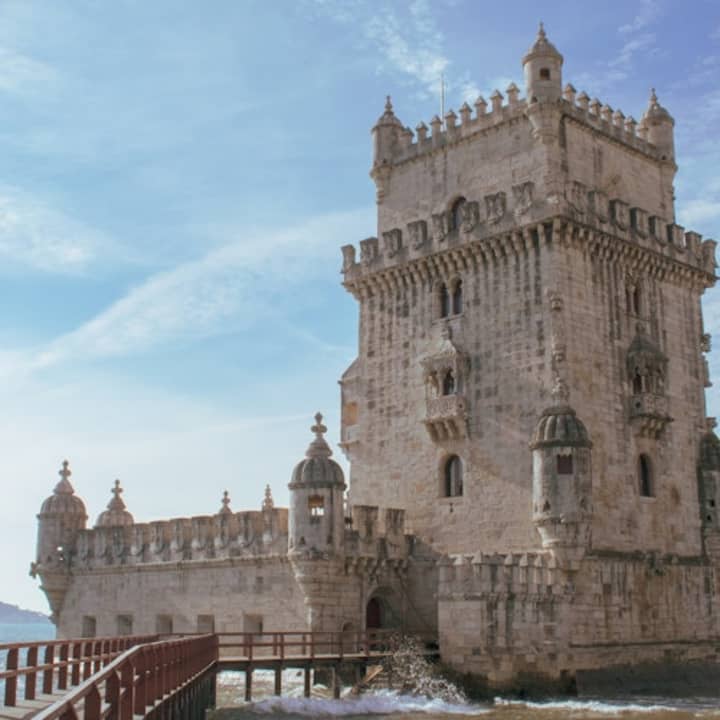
{"x":116,"y":514}
{"x":317,"y":520}
{"x":542,"y":66}
{"x":60,"y":519}
{"x":562,"y":479}
{"x":316,"y":531}
{"x":386,"y":136}
{"x":709,"y":489}
{"x":659,"y":126}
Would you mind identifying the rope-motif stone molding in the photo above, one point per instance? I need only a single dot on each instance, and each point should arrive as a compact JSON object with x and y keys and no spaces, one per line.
{"x":644,"y":243}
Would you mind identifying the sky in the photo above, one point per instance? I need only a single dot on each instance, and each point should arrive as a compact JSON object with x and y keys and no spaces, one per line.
{"x":176,"y":181}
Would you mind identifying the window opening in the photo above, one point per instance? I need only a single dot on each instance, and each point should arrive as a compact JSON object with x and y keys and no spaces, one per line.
{"x":564,"y":464}
{"x":646,"y":479}
{"x":89,"y":626}
{"x":448,"y":387}
{"x":444,"y":301}
{"x":457,"y":300}
{"x":453,"y":480}
{"x":544,"y":73}
{"x":637,"y":384}
{"x":316,"y":505}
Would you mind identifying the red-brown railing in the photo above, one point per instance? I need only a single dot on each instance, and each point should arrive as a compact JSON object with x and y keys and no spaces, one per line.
{"x":299,"y":645}
{"x":137,"y":681}
{"x":49,"y":665}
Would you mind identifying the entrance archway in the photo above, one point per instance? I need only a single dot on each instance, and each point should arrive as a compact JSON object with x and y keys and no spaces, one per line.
{"x":374,"y":614}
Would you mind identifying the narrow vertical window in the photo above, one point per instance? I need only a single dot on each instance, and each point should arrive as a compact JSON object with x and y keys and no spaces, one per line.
{"x":637,"y":383}
{"x":452,"y":477}
{"x":456,"y":214}
{"x":457,"y":299}
{"x":444,"y":301}
{"x":646,"y":476}
{"x":448,"y":387}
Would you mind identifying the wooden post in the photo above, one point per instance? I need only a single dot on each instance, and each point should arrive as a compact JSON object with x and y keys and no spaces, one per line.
{"x":278,"y":680}
{"x":11,"y":663}
{"x":307,"y":681}
{"x":31,"y":678}
{"x":48,"y":672}
{"x":248,"y":684}
{"x":63,"y":671}
{"x":335,"y":675}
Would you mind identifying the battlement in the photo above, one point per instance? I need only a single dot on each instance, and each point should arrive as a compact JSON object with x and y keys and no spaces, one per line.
{"x":502,"y":575}
{"x":198,"y":538}
{"x":372,"y":533}
{"x":504,"y":222}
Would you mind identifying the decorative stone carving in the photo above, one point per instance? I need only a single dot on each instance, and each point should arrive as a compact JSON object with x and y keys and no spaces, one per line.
{"x":639,"y":221}
{"x":600,"y":205}
{"x":368,"y":250}
{"x":496,"y":206}
{"x":620,"y":214}
{"x":705,"y":342}
{"x":523,"y":196}
{"x":440,"y":226}
{"x":417,"y":231}
{"x":393,"y":242}
{"x":470,"y":212}
{"x":577,"y":196}
{"x":348,"y":254}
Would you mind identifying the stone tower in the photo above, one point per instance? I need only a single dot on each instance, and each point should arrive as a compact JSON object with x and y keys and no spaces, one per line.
{"x":60,"y":519}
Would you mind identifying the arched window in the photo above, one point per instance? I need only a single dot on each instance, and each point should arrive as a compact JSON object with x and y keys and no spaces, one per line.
{"x":637,"y":383}
{"x":448,"y":386}
{"x":456,"y":213}
{"x":444,"y":301}
{"x":645,"y":476}
{"x":636,"y":300}
{"x":452,"y":477}
{"x":457,"y":300}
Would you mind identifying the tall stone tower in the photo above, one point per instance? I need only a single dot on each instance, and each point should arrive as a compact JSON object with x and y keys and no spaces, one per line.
{"x":525,"y":242}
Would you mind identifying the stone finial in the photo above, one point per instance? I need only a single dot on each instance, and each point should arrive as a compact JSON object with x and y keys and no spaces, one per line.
{"x":450,"y":118}
{"x":268,"y":503}
{"x":630,"y":125}
{"x":116,"y":514}
{"x":512,"y":92}
{"x":64,"y":487}
{"x":225,"y":507}
{"x":619,"y":119}
{"x":421,"y":130}
{"x":318,"y":448}
{"x":606,"y":113}
{"x":560,"y":392}
{"x":436,"y":124}
{"x":595,"y":106}
{"x":496,"y":99}
{"x":388,"y":104}
{"x":465,"y":113}
{"x":569,"y":93}
{"x":480,"y":106}
{"x":116,"y":502}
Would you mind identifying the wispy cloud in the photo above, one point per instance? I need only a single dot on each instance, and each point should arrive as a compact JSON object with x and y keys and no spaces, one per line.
{"x":35,"y":234}
{"x":23,"y":75}
{"x":648,"y":12}
{"x":214,"y":294}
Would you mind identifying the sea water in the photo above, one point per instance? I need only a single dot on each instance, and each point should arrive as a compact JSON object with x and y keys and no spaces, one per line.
{"x":381,"y":704}
{"x":22,"y":632}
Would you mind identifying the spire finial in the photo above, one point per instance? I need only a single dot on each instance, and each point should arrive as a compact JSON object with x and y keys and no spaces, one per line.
{"x":560,"y":392}
{"x":653,"y":97}
{"x":268,"y":503}
{"x":225,"y":508}
{"x":116,"y":502}
{"x":64,"y":487}
{"x":388,"y":104}
{"x":541,"y":29}
{"x":116,"y":489}
{"x":318,"y":447}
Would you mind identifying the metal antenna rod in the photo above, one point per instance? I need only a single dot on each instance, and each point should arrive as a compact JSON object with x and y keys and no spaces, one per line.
{"x":442,"y":98}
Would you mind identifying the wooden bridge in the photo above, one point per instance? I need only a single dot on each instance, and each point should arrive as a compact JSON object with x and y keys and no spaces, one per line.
{"x":125,"y":678}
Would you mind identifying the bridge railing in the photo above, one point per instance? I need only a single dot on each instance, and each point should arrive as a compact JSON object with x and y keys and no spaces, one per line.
{"x":138,"y":680}
{"x":46,"y":666}
{"x":250,"y":646}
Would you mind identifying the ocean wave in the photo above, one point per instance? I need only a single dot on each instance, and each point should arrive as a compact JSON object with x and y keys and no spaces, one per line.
{"x":601,"y":707}
{"x":383,"y":702}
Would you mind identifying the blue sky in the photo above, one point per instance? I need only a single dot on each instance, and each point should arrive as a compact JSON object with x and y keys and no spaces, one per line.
{"x":176,"y":181}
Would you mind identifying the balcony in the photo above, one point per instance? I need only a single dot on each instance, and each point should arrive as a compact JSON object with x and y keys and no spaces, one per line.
{"x":649,"y":414}
{"x":446,"y":417}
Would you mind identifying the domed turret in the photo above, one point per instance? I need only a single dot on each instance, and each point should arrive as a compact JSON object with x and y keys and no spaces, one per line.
{"x":116,"y":514}
{"x":562,"y":480}
{"x":60,"y":517}
{"x":660,"y":127}
{"x":316,"y":520}
{"x":386,"y":136}
{"x":542,"y":66}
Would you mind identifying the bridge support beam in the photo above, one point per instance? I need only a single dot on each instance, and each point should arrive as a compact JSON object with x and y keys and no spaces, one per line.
{"x":248,"y":684}
{"x":278,"y":680}
{"x":307,"y":683}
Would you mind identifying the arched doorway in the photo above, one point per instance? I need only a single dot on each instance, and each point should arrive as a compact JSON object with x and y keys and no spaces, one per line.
{"x":374,"y":614}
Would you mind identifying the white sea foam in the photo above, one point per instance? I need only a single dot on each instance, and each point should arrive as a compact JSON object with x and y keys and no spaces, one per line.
{"x":383,"y":702}
{"x":601,"y":707}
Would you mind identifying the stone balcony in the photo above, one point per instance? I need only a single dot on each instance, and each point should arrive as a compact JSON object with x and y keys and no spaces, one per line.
{"x":446,"y":417}
{"x":649,"y":414}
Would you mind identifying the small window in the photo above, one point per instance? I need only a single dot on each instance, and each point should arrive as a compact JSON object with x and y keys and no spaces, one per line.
{"x":456,"y":214}
{"x":206,"y":624}
{"x":457,"y":299}
{"x":453,"y":477}
{"x":637,"y":384}
{"x":646,"y":476}
{"x":636,"y":300}
{"x":316,"y":505}
{"x":124,"y":624}
{"x":89,"y":626}
{"x":444,"y":301}
{"x":544,"y":73}
{"x":448,"y":387}
{"x":164,"y":625}
{"x":565,"y":464}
